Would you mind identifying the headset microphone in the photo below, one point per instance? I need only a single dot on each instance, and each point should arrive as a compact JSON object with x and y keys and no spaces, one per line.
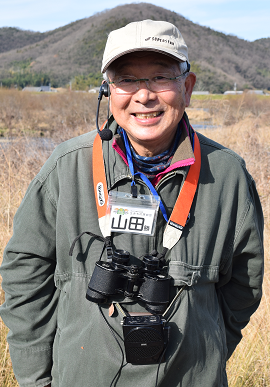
{"x":106,"y":133}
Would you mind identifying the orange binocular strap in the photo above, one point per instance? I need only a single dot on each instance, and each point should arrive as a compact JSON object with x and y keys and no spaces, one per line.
{"x":181,"y":210}
{"x":100,"y":185}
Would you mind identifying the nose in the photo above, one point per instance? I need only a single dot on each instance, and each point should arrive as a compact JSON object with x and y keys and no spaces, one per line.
{"x":143,"y":93}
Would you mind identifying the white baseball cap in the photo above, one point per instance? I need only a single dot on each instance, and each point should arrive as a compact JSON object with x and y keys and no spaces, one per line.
{"x":146,"y":35}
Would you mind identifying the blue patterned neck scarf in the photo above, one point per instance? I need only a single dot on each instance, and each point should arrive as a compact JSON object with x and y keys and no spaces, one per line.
{"x":151,"y":166}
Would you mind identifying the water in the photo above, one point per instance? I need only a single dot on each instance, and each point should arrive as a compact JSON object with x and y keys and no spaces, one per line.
{"x":38,"y":143}
{"x":33,"y":147}
{"x":204,"y":125}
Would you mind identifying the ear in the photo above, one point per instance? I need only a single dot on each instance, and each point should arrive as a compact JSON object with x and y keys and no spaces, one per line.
{"x":189,"y":85}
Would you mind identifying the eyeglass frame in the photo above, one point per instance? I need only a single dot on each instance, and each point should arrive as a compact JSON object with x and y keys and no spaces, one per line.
{"x":146,"y":80}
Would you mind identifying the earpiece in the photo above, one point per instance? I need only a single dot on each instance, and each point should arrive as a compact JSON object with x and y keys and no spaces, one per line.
{"x":104,"y":90}
{"x":106,"y":133}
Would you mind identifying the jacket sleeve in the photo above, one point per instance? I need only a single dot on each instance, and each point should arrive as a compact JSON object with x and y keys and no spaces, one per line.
{"x":240,"y":286}
{"x":31,"y":299}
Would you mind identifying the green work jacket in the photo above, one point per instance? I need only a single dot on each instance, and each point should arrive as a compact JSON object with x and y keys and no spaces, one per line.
{"x":56,"y":335}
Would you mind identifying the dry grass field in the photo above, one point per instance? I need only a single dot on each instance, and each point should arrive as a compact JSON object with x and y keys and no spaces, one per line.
{"x":32,"y":124}
{"x":248,"y":135}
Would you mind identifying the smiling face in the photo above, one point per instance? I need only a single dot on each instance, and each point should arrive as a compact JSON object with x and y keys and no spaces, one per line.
{"x":150,"y":119}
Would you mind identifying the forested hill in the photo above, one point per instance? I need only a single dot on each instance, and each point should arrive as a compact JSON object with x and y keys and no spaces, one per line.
{"x":76,"y":49}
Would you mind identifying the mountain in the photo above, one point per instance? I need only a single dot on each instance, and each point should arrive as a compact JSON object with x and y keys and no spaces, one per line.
{"x":219,"y":60}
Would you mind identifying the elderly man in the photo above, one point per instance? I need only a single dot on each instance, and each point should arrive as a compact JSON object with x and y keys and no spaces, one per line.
{"x":137,"y":251}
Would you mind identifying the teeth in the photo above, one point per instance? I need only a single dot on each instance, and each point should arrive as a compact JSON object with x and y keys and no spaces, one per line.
{"x":149,"y":115}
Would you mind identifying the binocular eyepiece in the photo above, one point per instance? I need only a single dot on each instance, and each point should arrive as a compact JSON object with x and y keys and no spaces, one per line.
{"x":146,"y":282}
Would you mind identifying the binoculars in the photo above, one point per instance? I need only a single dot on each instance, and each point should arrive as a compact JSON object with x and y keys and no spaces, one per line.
{"x":146,"y":282}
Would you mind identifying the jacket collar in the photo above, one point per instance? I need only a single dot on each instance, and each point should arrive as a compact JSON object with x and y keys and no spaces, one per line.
{"x":183,"y":154}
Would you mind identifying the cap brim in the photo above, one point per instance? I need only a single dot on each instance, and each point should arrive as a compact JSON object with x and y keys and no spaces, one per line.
{"x":175,"y":56}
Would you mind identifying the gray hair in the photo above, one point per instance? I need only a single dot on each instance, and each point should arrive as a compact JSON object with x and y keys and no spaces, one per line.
{"x":183,"y":67}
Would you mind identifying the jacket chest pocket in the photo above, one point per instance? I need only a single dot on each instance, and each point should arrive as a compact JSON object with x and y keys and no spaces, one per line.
{"x":185,"y":274}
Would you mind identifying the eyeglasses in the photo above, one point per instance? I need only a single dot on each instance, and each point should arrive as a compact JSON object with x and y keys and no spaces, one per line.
{"x":128,"y":84}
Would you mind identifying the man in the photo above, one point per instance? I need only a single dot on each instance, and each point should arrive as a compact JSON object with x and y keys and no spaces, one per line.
{"x":201,"y":243}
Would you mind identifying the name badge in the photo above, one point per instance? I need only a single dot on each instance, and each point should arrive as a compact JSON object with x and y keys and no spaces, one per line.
{"x":132,"y":215}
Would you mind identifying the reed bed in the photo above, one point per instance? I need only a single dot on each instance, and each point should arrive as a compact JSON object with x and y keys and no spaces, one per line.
{"x":248,"y":135}
{"x":32,"y":125}
{"x":58,"y":115}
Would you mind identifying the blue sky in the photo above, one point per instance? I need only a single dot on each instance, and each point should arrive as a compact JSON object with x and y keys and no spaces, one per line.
{"x":246,"y":19}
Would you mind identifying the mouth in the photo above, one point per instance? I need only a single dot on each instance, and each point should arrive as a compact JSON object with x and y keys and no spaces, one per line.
{"x":147,"y":115}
